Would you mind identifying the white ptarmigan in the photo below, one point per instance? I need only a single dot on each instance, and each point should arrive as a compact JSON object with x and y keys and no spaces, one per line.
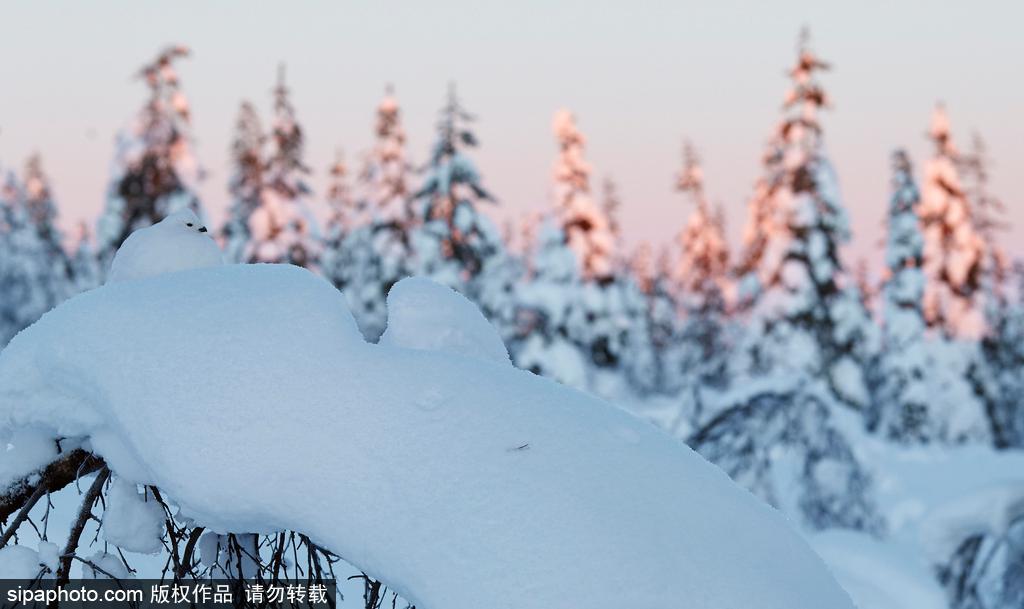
{"x":177,"y":243}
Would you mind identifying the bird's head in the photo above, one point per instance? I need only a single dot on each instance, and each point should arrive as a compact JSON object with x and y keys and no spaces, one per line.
{"x":184,"y":220}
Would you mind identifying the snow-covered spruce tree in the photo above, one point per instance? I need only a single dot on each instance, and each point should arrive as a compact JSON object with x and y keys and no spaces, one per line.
{"x":281,"y":228}
{"x":809,"y":318}
{"x":998,"y":373}
{"x":384,"y":178}
{"x":783,"y":445}
{"x":997,"y":370}
{"x":901,"y":401}
{"x":246,"y":185}
{"x":702,"y":349}
{"x":988,"y":219}
{"x":610,"y":204}
{"x":799,"y":367}
{"x":984,"y":568}
{"x":642,"y":267}
{"x":42,"y":212}
{"x":374,"y":252}
{"x":85,"y":269}
{"x":547,"y":306}
{"x":953,"y":249}
{"x":350,"y":260}
{"x":154,"y":172}
{"x":763,"y":222}
{"x":587,"y":228}
{"x":345,"y":212}
{"x":34,"y":270}
{"x":455,"y":237}
{"x":920,"y":393}
{"x":605,"y":310}
{"x":614,"y":330}
{"x":652,"y":365}
{"x":495,"y":290}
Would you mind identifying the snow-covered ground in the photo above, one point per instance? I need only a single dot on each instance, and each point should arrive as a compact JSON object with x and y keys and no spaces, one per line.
{"x":246,"y":394}
{"x":932,"y":498}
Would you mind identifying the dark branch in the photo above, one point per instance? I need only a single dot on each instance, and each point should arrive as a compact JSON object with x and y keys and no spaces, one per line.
{"x":190,"y":548}
{"x":22,"y":515}
{"x":54,"y":477}
{"x":84,"y":514}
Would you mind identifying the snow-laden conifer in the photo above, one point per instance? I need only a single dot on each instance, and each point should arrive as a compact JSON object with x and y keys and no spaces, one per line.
{"x":154,"y":172}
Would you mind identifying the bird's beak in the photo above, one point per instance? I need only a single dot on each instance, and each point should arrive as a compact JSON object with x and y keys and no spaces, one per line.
{"x":202,"y":229}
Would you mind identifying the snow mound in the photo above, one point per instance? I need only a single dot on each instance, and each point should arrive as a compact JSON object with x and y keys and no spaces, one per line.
{"x":878,"y":575}
{"x":247,"y":395}
{"x":19,"y":562}
{"x":131,"y":522}
{"x":426,"y":315}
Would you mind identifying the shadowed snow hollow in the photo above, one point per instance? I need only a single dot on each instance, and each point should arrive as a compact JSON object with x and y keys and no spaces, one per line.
{"x":247,"y":395}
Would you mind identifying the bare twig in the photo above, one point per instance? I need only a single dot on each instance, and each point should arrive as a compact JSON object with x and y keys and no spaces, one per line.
{"x":22,"y":515}
{"x":95,"y":567}
{"x":169,"y":524}
{"x":84,"y":514}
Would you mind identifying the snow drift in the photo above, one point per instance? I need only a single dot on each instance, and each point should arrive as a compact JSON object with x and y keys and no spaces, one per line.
{"x":248,"y":396}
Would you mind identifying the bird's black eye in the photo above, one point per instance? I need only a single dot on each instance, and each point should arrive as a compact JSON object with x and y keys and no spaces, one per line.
{"x":189,"y":225}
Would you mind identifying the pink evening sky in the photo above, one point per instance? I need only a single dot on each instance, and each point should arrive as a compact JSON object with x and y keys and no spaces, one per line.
{"x":639,"y":76}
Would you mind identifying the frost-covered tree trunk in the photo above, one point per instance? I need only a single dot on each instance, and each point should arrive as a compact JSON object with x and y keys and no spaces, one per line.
{"x":282,"y":228}
{"x":154,"y":172}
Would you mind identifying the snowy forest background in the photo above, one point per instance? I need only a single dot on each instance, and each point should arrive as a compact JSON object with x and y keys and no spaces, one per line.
{"x":884,"y":418}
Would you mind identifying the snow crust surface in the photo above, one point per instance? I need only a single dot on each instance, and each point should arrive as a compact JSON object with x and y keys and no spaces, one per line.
{"x":247,"y":394}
